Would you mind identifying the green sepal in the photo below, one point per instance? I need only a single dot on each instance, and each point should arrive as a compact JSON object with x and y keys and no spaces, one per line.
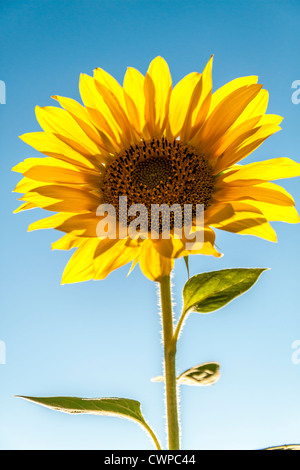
{"x":186,"y":260}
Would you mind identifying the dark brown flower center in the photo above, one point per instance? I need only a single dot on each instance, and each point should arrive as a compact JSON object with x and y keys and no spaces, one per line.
{"x":159,"y":172}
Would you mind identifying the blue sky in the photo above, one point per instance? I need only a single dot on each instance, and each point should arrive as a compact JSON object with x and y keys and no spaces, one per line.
{"x":103,"y":338}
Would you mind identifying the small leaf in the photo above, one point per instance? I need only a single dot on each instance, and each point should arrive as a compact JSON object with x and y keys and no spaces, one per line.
{"x":122,"y":407}
{"x":202,"y":375}
{"x":159,"y":378}
{"x":285,"y":447}
{"x":210,"y":291}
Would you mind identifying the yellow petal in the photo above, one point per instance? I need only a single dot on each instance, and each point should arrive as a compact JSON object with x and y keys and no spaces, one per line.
{"x":224,"y":115}
{"x":157,"y":89}
{"x":241,"y":148}
{"x":265,"y":192}
{"x":80,"y":267}
{"x":100,"y":113}
{"x":208,"y":245}
{"x":82,"y":117}
{"x":270,"y":119}
{"x":218,"y":212}
{"x":268,"y":170}
{"x":60,"y":122}
{"x":50,"y":145}
{"x":189,"y":104}
{"x":83,"y":225}
{"x":78,"y":197}
{"x":180,"y":102}
{"x":27,"y":184}
{"x":113,"y":255}
{"x":274,"y":212}
{"x":52,"y":170}
{"x":201,"y":110}
{"x":58,"y":175}
{"x":232,"y":139}
{"x":175,"y":248}
{"x":208,"y":249}
{"x":49,"y":222}
{"x":152,"y":264}
{"x":62,"y":198}
{"x":250,"y":226}
{"x":170,"y":248}
{"x":244,"y":219}
{"x":24,"y":207}
{"x":238,"y":137}
{"x":67,"y":242}
{"x":103,"y":77}
{"x":134,"y":98}
{"x":257,"y":107}
{"x":43,"y":202}
{"x":118,"y":113}
{"x":28,"y":163}
{"x":133,"y":265}
{"x":229,"y":88}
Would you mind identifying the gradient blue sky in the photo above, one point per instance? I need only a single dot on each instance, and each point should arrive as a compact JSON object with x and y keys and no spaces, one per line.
{"x":103,"y":338}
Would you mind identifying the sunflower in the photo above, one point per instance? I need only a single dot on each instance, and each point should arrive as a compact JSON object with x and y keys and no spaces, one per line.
{"x":154,"y":144}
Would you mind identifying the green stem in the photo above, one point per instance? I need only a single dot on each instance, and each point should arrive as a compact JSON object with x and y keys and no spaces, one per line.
{"x":170,"y":371}
{"x":179,"y":326}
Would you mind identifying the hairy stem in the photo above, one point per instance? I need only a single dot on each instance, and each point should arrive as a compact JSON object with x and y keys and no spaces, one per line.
{"x":170,"y":371}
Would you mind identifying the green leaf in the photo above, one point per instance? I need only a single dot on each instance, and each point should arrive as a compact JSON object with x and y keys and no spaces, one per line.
{"x":202,"y":375}
{"x":123,"y":407}
{"x":210,"y":291}
{"x":285,"y":447}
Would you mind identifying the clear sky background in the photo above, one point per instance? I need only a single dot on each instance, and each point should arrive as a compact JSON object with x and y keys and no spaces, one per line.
{"x":103,"y":338}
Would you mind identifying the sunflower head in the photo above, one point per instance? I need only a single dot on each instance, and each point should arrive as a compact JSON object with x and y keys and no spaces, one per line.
{"x":156,"y":146}
{"x":158,"y":172}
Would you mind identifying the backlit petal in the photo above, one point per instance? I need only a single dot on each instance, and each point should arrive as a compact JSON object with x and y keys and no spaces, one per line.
{"x":152,"y":264}
{"x":157,"y":89}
